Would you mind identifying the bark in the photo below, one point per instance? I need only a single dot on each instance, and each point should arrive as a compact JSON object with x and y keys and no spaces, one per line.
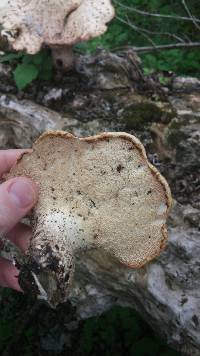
{"x":109,"y":92}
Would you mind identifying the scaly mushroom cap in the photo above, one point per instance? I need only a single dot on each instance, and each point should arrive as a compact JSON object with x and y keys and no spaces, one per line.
{"x":95,"y":192}
{"x":31,"y":23}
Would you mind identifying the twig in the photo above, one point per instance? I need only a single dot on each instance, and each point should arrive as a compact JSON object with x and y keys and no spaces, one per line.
{"x":135,"y":28}
{"x":146,"y":13}
{"x":194,"y":19}
{"x":186,"y":45}
{"x":150,"y":32}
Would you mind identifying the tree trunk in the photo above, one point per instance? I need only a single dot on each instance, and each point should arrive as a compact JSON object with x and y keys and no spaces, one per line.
{"x":108,"y":92}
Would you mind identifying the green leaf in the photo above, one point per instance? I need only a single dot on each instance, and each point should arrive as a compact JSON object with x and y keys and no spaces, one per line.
{"x":46,"y":67}
{"x":27,"y":59}
{"x":10,"y":57}
{"x":38,"y":58}
{"x":88,"y":340}
{"x":24,"y":74}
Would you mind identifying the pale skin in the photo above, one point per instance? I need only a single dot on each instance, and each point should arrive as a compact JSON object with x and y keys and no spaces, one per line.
{"x":17,"y":198}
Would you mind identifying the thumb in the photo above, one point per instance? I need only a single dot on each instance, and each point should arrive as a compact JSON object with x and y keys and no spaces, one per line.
{"x":17,"y":197}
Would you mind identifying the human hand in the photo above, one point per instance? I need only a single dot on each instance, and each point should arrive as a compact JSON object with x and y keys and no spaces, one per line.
{"x":17,"y":197}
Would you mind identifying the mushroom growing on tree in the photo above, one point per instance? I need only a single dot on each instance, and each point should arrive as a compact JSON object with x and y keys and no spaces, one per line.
{"x":97,"y":192}
{"x":59,"y":24}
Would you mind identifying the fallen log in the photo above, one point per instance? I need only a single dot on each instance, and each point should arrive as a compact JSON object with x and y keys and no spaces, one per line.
{"x":108,"y":92}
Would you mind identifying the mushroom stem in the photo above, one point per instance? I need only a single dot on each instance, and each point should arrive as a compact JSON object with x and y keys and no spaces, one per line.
{"x":56,"y":239}
{"x":51,"y":258}
{"x":63,"y":57}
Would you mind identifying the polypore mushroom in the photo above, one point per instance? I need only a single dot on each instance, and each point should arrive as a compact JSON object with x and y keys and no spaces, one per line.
{"x":96,"y":192}
{"x":30,"y":24}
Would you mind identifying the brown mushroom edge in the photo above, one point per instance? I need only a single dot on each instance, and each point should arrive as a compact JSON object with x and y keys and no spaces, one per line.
{"x":59,"y":293}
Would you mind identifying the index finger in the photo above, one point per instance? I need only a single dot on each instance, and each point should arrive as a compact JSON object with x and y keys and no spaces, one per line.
{"x":8,"y":158}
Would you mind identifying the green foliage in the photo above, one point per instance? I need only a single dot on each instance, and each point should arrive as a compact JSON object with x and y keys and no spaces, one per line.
{"x":121,"y":331}
{"x":8,"y":323}
{"x":30,"y":67}
{"x":120,"y":34}
{"x":10,"y":57}
{"x":25,"y":74}
{"x":7,"y":328}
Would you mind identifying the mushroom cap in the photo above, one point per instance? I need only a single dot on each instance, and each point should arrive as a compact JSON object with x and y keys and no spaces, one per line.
{"x":99,"y":192}
{"x":55,"y":22}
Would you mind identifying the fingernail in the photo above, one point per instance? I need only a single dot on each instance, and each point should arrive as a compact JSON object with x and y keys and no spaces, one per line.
{"x":22,"y":194}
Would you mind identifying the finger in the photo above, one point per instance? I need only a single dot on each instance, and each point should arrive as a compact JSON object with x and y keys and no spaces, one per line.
{"x":17,"y":197}
{"x":20,"y":235}
{"x":8,"y":158}
{"x":9,"y":275}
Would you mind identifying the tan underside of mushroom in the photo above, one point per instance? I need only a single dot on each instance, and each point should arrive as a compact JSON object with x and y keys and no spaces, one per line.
{"x":55,"y":22}
{"x":96,"y":192}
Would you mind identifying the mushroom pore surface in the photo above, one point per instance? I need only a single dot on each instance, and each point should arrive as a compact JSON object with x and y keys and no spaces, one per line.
{"x":95,"y":192}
